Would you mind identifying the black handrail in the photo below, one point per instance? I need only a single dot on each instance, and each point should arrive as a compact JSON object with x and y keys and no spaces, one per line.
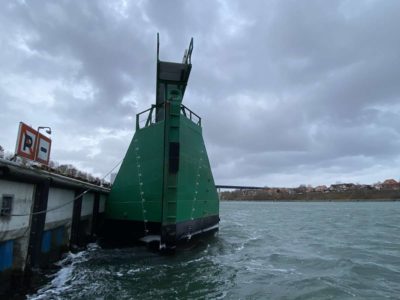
{"x":192,"y":116}
{"x":149,"y":119}
{"x":184,"y":111}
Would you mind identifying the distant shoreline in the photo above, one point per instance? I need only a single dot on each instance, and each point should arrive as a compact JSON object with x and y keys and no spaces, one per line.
{"x":314,"y":200}
{"x":360,"y":195}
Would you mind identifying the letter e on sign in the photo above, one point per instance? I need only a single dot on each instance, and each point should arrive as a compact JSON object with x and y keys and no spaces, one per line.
{"x":26,"y":141}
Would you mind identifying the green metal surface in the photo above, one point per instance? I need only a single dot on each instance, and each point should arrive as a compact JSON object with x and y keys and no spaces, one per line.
{"x":190,"y":193}
{"x":137,"y":189}
{"x":197,"y":195}
{"x":166,"y":176}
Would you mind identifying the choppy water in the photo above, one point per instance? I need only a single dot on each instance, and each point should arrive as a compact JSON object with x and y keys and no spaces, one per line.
{"x":263,"y":251}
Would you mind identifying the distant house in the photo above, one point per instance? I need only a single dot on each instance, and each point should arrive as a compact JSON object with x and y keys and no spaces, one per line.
{"x":390,"y":184}
{"x":321,"y":188}
{"x":301,"y":189}
{"x":377,"y":186}
{"x":342,"y":187}
{"x":290,"y":191}
{"x":364,"y":187}
{"x":309,"y":189}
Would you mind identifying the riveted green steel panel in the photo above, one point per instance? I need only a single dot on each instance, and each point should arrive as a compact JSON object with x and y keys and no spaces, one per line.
{"x":140,"y":178}
{"x":197,"y":196}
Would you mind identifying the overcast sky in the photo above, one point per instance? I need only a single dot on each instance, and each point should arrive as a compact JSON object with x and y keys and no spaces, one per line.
{"x":290,"y":92}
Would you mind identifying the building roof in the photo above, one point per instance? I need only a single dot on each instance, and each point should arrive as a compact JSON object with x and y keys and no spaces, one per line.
{"x":16,"y":172}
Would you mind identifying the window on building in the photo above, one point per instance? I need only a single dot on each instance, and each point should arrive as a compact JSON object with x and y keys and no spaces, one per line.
{"x":6,"y":205}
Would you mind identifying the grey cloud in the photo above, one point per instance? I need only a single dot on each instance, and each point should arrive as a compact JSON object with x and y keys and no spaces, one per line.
{"x":290,"y":92}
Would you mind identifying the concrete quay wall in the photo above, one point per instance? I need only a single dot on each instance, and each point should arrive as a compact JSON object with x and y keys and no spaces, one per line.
{"x":43,"y":215}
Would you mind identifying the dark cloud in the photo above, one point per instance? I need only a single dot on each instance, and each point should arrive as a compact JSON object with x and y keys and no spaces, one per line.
{"x":290,"y":92}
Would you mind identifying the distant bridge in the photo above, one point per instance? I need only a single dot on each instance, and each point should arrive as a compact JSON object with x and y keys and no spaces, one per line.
{"x":239,"y":187}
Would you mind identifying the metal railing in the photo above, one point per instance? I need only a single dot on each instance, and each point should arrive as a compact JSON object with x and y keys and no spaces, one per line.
{"x":148,"y":117}
{"x":190,"y":115}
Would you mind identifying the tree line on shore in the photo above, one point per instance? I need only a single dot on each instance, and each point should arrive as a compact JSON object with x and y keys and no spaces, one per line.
{"x":68,"y":170}
{"x":389,"y":189}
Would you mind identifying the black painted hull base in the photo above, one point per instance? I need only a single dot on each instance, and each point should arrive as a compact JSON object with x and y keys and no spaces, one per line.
{"x":119,"y":233}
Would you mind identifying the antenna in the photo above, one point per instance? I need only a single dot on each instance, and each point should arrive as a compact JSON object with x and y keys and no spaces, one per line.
{"x":187,"y":56}
{"x":158,"y":46}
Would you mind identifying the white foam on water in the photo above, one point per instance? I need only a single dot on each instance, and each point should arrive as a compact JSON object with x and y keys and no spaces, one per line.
{"x":191,"y":261}
{"x":207,"y":249}
{"x":240,"y":248}
{"x":93,"y":247}
{"x":62,"y":280}
{"x":280,"y":270}
{"x":134,"y":271}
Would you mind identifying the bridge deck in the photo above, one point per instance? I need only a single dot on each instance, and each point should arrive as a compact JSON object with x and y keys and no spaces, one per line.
{"x":239,"y":187}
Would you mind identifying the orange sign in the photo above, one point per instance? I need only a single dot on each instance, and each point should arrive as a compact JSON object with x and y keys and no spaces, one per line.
{"x":32,"y":145}
{"x":26,"y":142}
